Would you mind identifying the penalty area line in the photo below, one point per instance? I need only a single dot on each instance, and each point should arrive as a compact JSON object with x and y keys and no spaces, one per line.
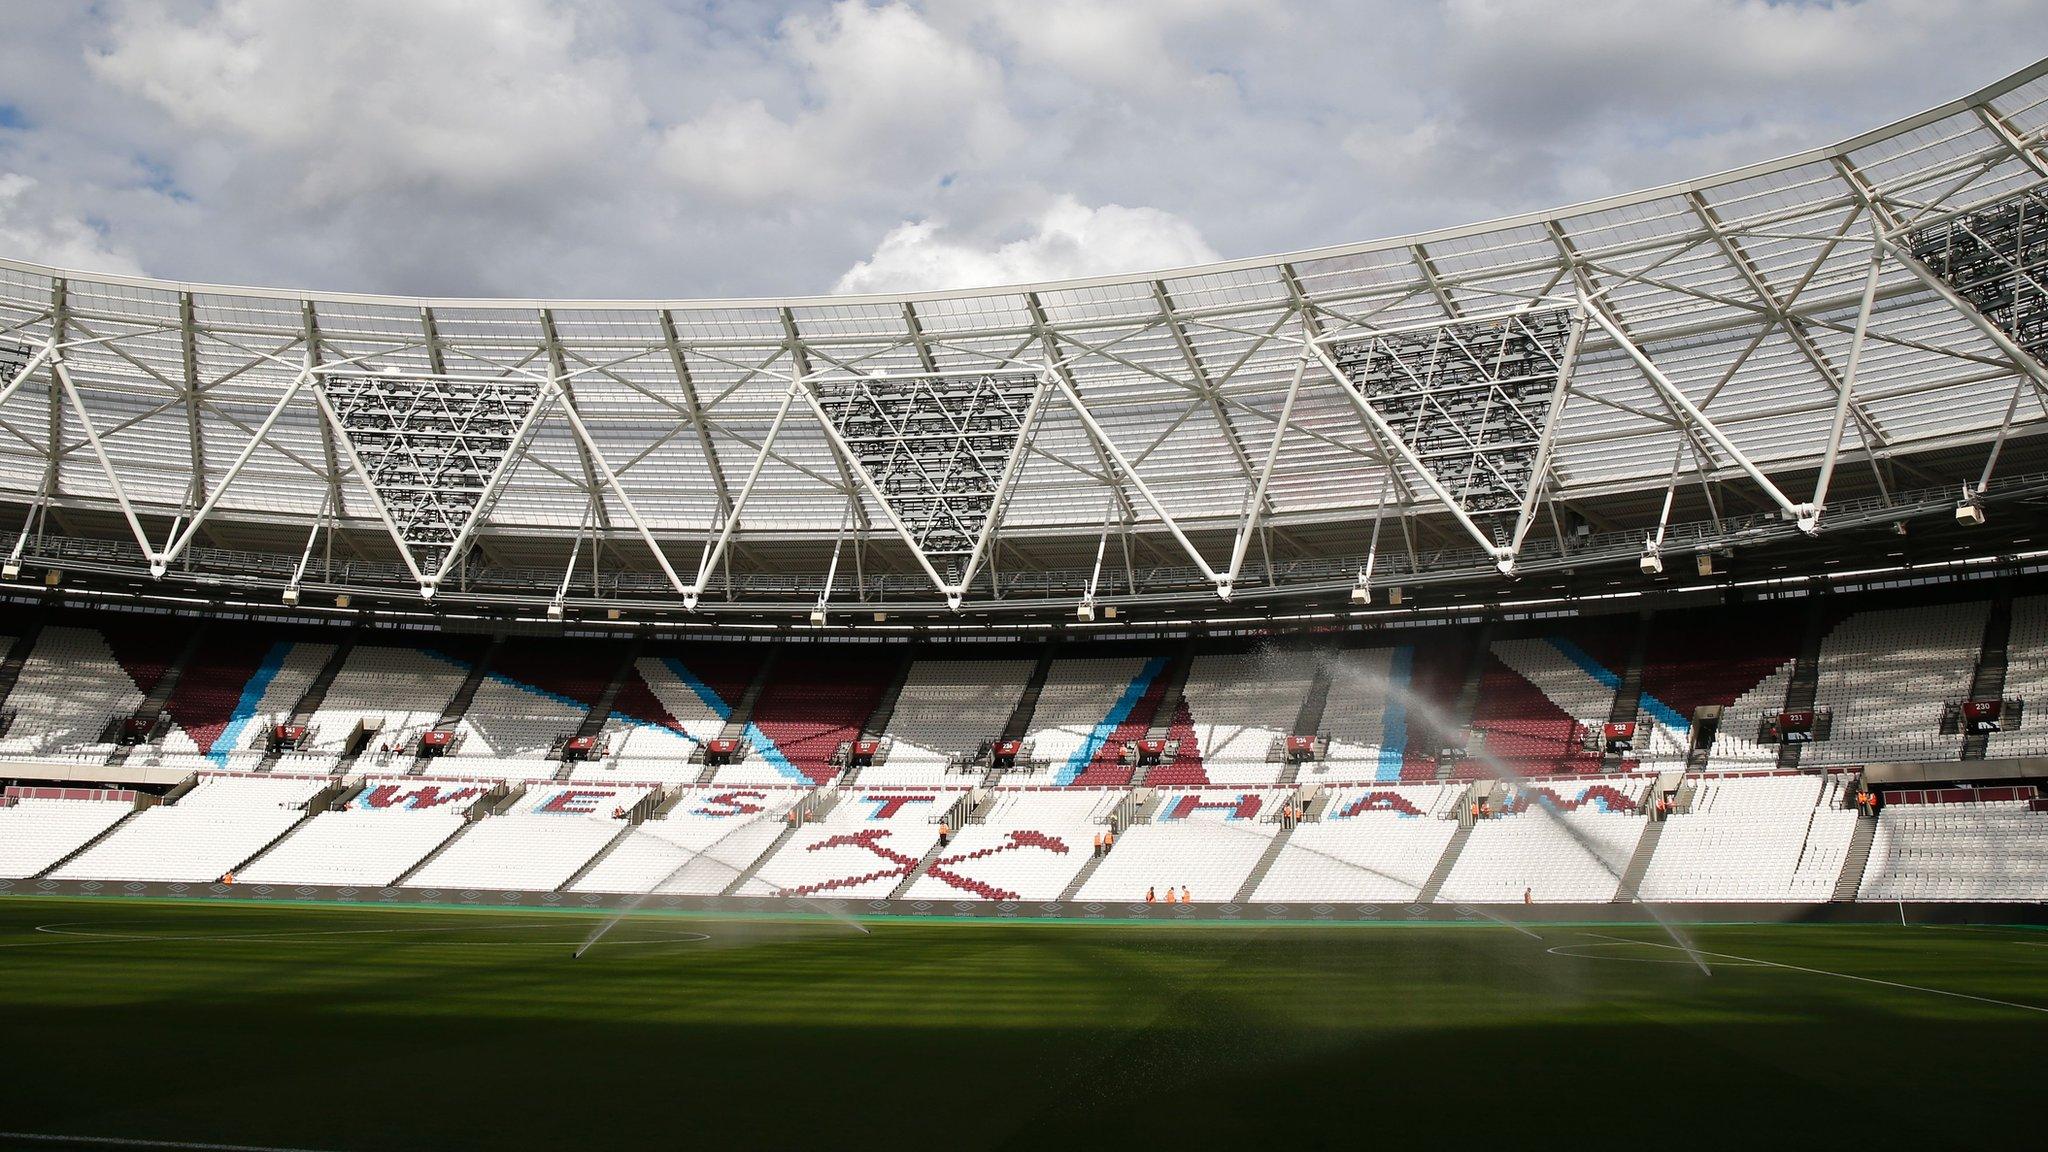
{"x":131,"y":1142}
{"x":1839,"y":975}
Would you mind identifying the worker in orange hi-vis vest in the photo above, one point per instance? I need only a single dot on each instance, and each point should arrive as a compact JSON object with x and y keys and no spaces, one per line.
{"x":1148,"y":895}
{"x":1184,"y":895}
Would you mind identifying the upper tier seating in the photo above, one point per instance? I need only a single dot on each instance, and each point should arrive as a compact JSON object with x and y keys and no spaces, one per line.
{"x":237,"y":677}
{"x":508,"y":730}
{"x":862,"y":849}
{"x":1085,"y":702}
{"x":1772,"y":838}
{"x":1886,"y":675}
{"x":816,"y":700}
{"x":1364,"y":714}
{"x":704,"y":843}
{"x":1208,"y":840}
{"x":1573,"y":849}
{"x":210,"y":830}
{"x":35,"y":834}
{"x":1695,"y":659}
{"x":947,"y":708}
{"x":1992,"y":851}
{"x":70,"y":687}
{"x":2026,"y":679}
{"x":1373,"y":844}
{"x":669,"y":704}
{"x":1533,"y":700}
{"x":1030,"y":845}
{"x":407,"y":688}
{"x":1239,"y":705}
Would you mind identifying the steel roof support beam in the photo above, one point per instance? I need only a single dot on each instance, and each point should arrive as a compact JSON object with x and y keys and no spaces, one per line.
{"x":1503,"y":556}
{"x":604,"y":472}
{"x":1048,"y":342}
{"x":1256,"y":507}
{"x":716,"y":549}
{"x":336,"y":508}
{"x":99,"y":451}
{"x":2019,"y":360}
{"x":1844,"y":389}
{"x":1698,"y":419}
{"x":1130,"y":473}
{"x":954,"y":591}
{"x":558,"y":371}
{"x":1539,"y":470}
{"x":1844,"y":399}
{"x":695,"y":406}
{"x":28,"y":368}
{"x":1209,"y":389}
{"x":178,"y":543}
{"x":188,"y":355}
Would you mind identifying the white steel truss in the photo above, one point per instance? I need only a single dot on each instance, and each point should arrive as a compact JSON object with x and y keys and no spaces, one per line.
{"x":938,"y":452}
{"x":1864,"y":321}
{"x":1471,"y":406}
{"x":433,"y":451}
{"x":1996,"y":257}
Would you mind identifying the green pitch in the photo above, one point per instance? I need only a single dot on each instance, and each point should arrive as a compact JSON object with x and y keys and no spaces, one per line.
{"x":357,"y":1029}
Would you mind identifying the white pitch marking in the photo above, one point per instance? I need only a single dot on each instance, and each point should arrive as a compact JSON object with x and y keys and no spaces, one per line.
{"x":1563,"y":950}
{"x":1839,"y":975}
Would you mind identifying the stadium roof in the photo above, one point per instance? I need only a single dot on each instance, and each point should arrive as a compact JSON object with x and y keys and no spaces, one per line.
{"x":1830,"y":342}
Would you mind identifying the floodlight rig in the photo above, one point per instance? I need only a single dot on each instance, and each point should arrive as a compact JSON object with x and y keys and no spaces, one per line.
{"x":1085,"y":611}
{"x":291,"y":588}
{"x":1970,"y":510}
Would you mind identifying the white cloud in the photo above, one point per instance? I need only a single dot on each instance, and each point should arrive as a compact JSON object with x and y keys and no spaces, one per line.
{"x":888,"y":97}
{"x":1122,"y":45}
{"x":31,"y":230}
{"x":465,"y":94}
{"x":749,"y":147}
{"x":1067,"y":239}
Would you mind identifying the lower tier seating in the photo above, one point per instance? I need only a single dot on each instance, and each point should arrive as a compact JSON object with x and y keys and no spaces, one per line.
{"x":1571,"y":849}
{"x":1030,"y":846}
{"x":1996,"y":851}
{"x":705,"y":842}
{"x":35,"y":834}
{"x":867,"y":845}
{"x":1371,"y":845}
{"x":175,"y":843}
{"x":1208,"y":841}
{"x":525,"y":851}
{"x":356,"y":846}
{"x":1777,"y":838}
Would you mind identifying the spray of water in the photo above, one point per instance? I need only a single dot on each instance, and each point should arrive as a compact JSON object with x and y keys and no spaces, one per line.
{"x":1434,"y":719}
{"x":705,"y":855}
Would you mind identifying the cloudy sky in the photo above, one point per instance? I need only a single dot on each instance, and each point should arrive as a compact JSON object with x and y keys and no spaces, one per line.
{"x":733,"y":147}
